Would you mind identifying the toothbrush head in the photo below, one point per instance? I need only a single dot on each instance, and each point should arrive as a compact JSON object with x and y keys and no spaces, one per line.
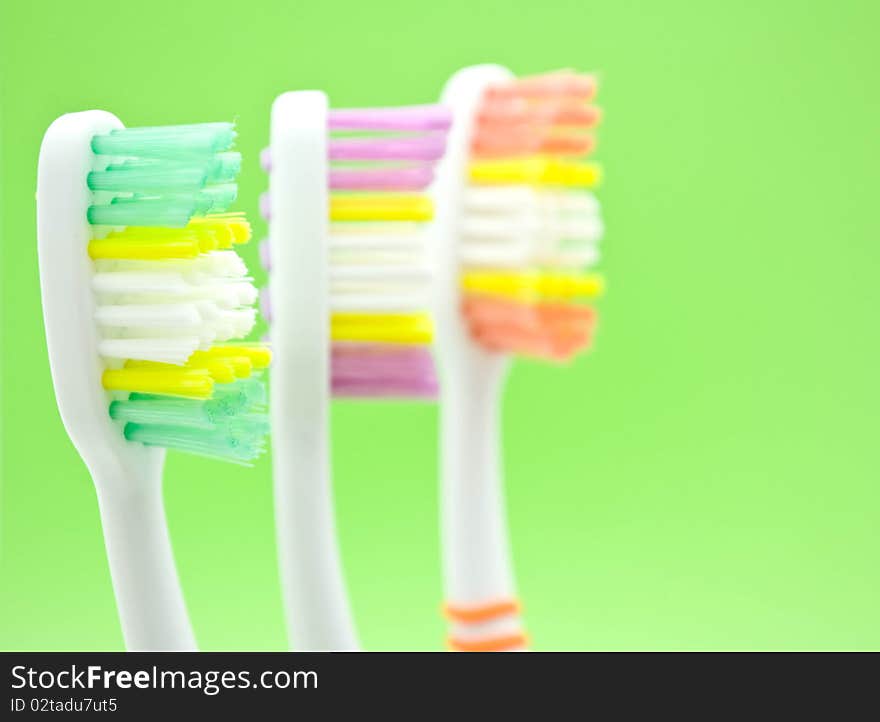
{"x":161,"y":295}
{"x":380,"y":163}
{"x":525,"y":224}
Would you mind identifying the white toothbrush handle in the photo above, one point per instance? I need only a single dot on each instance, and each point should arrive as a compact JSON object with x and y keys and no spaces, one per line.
{"x":477,"y":565}
{"x":148,"y":596}
{"x":315,"y":599}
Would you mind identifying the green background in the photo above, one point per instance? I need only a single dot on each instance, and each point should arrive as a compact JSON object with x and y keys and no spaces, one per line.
{"x":707,"y":478}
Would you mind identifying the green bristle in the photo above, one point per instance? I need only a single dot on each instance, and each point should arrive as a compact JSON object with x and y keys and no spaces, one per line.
{"x":220,"y":443}
{"x":247,"y":392}
{"x":228,"y":401}
{"x":171,"y":212}
{"x":135,"y":176}
{"x":164,"y":176}
{"x":204,"y":203}
{"x":224,"y":167}
{"x":173,"y":141}
{"x":251,"y":425}
{"x":219,"y":196}
{"x":190,"y":413}
{"x":232,"y":424}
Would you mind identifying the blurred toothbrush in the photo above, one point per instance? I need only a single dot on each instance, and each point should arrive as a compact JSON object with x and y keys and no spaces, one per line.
{"x":347,"y":305}
{"x":515,"y":227}
{"x":143,"y":299}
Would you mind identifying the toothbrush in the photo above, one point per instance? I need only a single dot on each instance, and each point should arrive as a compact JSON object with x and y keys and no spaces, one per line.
{"x":347,"y":305}
{"x":143,"y":299}
{"x":515,"y":227}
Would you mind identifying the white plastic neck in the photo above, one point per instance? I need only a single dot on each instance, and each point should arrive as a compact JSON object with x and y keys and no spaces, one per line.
{"x":316,"y":602}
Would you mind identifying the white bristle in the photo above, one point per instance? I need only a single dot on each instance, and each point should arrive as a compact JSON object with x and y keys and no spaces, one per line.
{"x":239,"y":322}
{"x":379,"y":302}
{"x":520,"y":226}
{"x":247,"y":293}
{"x":497,"y":256}
{"x":385,"y":258}
{"x":584,"y":257}
{"x":365,"y":242}
{"x":588,"y":228}
{"x":161,"y":350}
{"x":202,"y":333}
{"x":223,"y":263}
{"x":164,"y":310}
{"x":498,"y":200}
{"x":570,"y":201}
{"x":488,"y":228}
{"x":223,"y":292}
{"x":353,"y":230}
{"x":377,"y":272}
{"x":133,"y":282}
{"x":379,"y":267}
{"x":152,"y":316}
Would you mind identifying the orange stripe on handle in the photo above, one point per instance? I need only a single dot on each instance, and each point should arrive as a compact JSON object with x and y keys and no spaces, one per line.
{"x":493,"y":644}
{"x":482,"y":613}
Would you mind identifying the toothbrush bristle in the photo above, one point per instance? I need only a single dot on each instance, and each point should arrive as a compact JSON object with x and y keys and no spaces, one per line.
{"x":412,"y":118}
{"x":554,"y":86}
{"x":381,"y":162}
{"x":172,"y":295}
{"x":529,"y":220}
{"x":382,"y":370}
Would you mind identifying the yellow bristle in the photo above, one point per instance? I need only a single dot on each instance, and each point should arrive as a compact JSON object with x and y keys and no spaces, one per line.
{"x":240,"y":363}
{"x":259,"y":356}
{"x":519,"y":286}
{"x":228,"y":228}
{"x":142,"y":250}
{"x":201,"y":235}
{"x":221,"y":372}
{"x":381,"y":207}
{"x":533,"y":285}
{"x":571,"y":285}
{"x":415,"y":328}
{"x":535,"y":170}
{"x":191,"y":383}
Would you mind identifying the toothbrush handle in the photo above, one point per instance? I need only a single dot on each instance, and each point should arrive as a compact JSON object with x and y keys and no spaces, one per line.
{"x":148,"y":595}
{"x":480,"y":590}
{"x":315,"y":597}
{"x":312,"y":582}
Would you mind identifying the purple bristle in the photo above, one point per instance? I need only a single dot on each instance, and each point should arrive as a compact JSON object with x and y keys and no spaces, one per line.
{"x":265,"y":304}
{"x":265,"y":254}
{"x":426,"y":389}
{"x":368,"y":360}
{"x":411,"y":118}
{"x":410,"y":178}
{"x":375,"y":370}
{"x":429,"y":146}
